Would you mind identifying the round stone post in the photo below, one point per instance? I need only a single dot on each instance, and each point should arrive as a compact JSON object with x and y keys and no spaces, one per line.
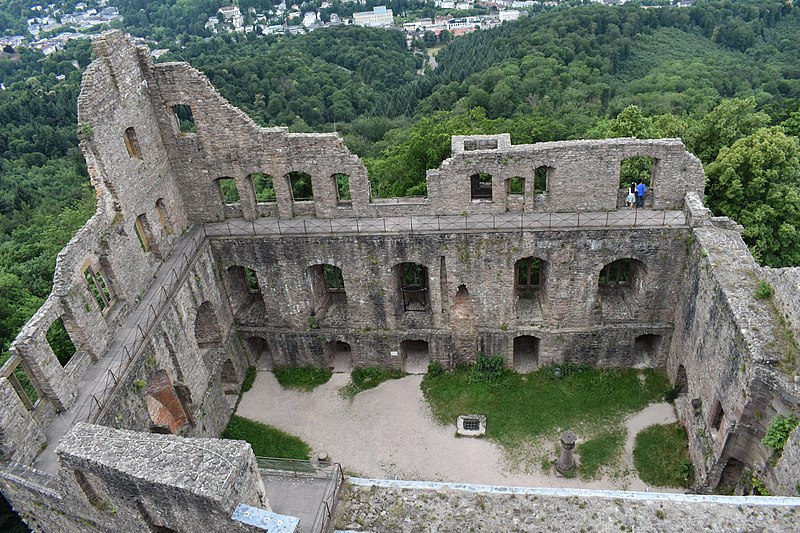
{"x":566,"y":462}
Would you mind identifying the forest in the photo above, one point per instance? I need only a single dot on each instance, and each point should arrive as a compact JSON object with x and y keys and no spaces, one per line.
{"x":722,"y":75}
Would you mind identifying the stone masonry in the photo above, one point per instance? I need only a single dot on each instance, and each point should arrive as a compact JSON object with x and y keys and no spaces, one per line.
{"x":204,"y":257}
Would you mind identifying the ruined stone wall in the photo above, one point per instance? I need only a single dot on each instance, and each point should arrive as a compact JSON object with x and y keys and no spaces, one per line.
{"x":722,"y":344}
{"x":113,"y":480}
{"x":573,"y":317}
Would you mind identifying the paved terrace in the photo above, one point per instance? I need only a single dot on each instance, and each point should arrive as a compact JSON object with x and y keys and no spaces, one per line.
{"x":100,"y":381}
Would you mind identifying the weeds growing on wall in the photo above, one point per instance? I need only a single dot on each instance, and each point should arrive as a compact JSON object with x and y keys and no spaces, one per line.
{"x":661,"y":456}
{"x":367,"y":378}
{"x":305,"y":378}
{"x":778,"y":432}
{"x":529,"y":406}
{"x":266,"y":441}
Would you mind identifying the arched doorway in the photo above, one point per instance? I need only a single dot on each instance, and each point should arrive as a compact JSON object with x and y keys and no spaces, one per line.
{"x":339,"y":356}
{"x":526,"y":353}
{"x":415,"y":356}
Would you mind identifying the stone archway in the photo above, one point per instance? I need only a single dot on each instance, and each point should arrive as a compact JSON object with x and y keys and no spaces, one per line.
{"x":415,"y":356}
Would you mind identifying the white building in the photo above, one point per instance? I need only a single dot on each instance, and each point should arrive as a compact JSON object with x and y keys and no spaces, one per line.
{"x":378,"y":17}
{"x":508,"y":14}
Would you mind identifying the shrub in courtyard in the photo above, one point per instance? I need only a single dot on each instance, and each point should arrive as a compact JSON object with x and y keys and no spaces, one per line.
{"x":487,"y":369}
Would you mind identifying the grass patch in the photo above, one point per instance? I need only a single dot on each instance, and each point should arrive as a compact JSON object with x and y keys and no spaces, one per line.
{"x":367,"y":378}
{"x":305,"y":378}
{"x":661,"y":456}
{"x":525,"y":407}
{"x":600,"y":451}
{"x":266,"y":441}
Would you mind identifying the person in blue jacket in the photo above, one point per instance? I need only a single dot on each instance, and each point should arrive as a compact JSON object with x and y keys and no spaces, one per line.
{"x":640,"y":190}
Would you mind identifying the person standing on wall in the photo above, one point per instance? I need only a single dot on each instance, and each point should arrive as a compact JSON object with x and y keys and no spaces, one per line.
{"x":630,"y":200}
{"x":640,"y":190}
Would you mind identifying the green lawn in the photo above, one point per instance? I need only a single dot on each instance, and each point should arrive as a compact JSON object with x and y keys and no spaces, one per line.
{"x":600,"y":450}
{"x":523,"y":407}
{"x":305,"y":378}
{"x":367,"y":378}
{"x":266,"y":441}
{"x":661,"y":456}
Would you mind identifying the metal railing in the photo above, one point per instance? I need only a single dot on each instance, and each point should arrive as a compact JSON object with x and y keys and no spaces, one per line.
{"x":149,"y":314}
{"x":623,"y":218}
{"x":296,"y":468}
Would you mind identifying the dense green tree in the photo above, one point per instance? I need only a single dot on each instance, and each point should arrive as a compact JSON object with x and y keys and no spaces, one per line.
{"x":730,"y":120}
{"x":756,"y":181}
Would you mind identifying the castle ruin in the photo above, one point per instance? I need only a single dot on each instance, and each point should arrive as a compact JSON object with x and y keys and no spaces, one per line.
{"x":217,"y":243}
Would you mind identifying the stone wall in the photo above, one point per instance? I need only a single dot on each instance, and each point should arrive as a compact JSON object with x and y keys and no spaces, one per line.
{"x":724,"y":354}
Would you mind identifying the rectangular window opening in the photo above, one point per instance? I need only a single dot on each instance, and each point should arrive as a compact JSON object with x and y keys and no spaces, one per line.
{"x":97,"y":285}
{"x":342,"y":182}
{"x":184,"y":119}
{"x":228,"y":191}
{"x":252,"y":280}
{"x":132,"y":143}
{"x":263,"y":187}
{"x":60,"y":342}
{"x":24,"y":387}
{"x":540,"y":179}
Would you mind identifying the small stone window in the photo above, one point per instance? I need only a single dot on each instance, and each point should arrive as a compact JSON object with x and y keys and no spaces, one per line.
{"x":98,"y":286}
{"x":481,"y":186}
{"x":342,"y":184}
{"x":23,"y":386}
{"x":301,"y":186}
{"x":616,"y":274}
{"x":333,"y":278}
{"x":541,"y":177}
{"x":60,"y":342}
{"x":163,"y":218}
{"x":413,"y":281}
{"x":263,"y":187}
{"x":145,"y":235}
{"x":184,"y":119}
{"x":228,"y":191}
{"x":515,"y":186}
{"x":90,"y":486}
{"x":132,"y":143}
{"x":528,"y":275}
{"x":716,"y":416}
{"x":252,"y":280}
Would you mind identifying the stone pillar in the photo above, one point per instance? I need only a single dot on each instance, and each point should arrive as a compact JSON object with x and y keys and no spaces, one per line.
{"x":566,"y":462}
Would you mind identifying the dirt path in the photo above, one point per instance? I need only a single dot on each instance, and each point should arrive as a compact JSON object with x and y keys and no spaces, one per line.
{"x":387,"y":432}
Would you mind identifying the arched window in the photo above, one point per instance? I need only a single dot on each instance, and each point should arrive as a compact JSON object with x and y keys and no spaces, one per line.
{"x":207,"y":330}
{"x":263,"y":187}
{"x":528,"y":274}
{"x":526,"y":353}
{"x":132,"y":143}
{"x":228,"y":191}
{"x":617,"y":274}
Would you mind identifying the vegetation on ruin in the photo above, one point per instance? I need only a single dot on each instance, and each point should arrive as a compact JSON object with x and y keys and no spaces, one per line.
{"x":599,"y":451}
{"x":266,"y":441}
{"x":249,"y":378}
{"x":778,"y":432}
{"x":524,"y":407}
{"x":362,"y":379}
{"x":305,"y":378}
{"x":661,"y":456}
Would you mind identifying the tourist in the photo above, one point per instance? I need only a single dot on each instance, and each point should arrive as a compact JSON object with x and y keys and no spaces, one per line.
{"x":631,"y":199}
{"x":640,"y":190}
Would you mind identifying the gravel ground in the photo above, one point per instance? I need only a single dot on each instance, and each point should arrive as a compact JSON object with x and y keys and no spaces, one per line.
{"x":388,"y":433}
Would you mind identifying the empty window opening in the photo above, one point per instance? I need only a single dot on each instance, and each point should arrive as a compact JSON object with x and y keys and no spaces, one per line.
{"x":89,"y":485}
{"x":646,"y":350}
{"x":263,"y":187}
{"x":132,"y":143}
{"x":616,"y":273}
{"x":98,"y":285}
{"x":59,"y":341}
{"x":528,"y":276}
{"x":228,"y":191}
{"x":145,"y":235}
{"x":515,"y":186}
{"x":155,"y":524}
{"x":480,"y":144}
{"x":301,"y":187}
{"x":415,"y":356}
{"x":259,"y":353}
{"x":681,"y":381}
{"x":541,"y":179}
{"x":228,"y":374}
{"x":207,"y":330}
{"x":636,"y":169}
{"x":252,"y":280}
{"x":339,"y":356}
{"x":413,"y":281}
{"x":526,"y":353}
{"x":716,"y":416}
{"x":328,"y":290}
{"x":24,"y":387}
{"x":342,"y":184}
{"x":472,"y":424}
{"x":463,"y":306}
{"x":163,"y":216}
{"x":731,"y":475}
{"x":481,"y":186}
{"x":184,"y":119}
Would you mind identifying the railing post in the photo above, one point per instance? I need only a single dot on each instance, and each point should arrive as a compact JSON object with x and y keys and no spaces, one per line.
{"x":230,"y":233}
{"x":664,"y":219}
{"x":330,"y":223}
{"x":279,"y":227}
{"x":384,"y":224}
{"x":139,"y":327}
{"x":635,"y":217}
{"x":606,"y":218}
{"x":579,"y":219}
{"x":412,"y":223}
{"x":550,"y":221}
{"x":359,"y":231}
{"x":204,"y":230}
{"x":494,"y":221}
